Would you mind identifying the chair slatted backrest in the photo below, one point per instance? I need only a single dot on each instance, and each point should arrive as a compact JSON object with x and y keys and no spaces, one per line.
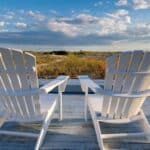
{"x":18,"y":80}
{"x":127,"y":72}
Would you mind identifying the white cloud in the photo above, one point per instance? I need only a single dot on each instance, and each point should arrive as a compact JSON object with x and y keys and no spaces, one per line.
{"x":3,"y":30}
{"x":128,"y":19}
{"x":122,"y":2}
{"x":21,"y":25}
{"x":2,"y":23}
{"x":53,"y":12}
{"x":116,"y":22}
{"x":8,"y":16}
{"x":37,"y":15}
{"x":82,"y":24}
{"x":98,"y":4}
{"x":86,"y":18}
{"x":63,"y":27}
{"x":143,"y":29}
{"x":86,"y":24}
{"x":144,"y":25}
{"x":141,"y":4}
{"x":118,"y":13}
{"x":72,"y":11}
{"x":11,"y":13}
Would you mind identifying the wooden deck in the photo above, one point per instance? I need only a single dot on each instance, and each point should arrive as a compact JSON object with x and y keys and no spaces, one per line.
{"x":73,"y":133}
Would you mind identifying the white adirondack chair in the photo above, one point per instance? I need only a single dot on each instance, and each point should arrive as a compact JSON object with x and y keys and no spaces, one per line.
{"x":21,"y":99}
{"x":126,"y":87}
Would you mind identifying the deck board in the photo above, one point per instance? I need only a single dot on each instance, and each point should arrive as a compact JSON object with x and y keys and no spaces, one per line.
{"x":72,"y":133}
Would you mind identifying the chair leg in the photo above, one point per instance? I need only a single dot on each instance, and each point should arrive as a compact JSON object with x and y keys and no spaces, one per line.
{"x":145,"y":125}
{"x":85,"y":104}
{"x":85,"y":109}
{"x":60,"y":104}
{"x":45,"y":126}
{"x":41,"y":136}
{"x":97,"y":129}
{"x":2,"y":121}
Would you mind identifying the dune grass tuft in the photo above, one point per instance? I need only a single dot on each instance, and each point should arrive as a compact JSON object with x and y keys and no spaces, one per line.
{"x":52,"y":64}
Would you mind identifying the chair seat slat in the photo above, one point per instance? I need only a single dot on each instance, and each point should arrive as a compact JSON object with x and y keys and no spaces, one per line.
{"x":19,"y":92}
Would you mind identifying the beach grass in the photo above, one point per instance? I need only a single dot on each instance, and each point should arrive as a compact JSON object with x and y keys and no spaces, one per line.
{"x":54,"y":63}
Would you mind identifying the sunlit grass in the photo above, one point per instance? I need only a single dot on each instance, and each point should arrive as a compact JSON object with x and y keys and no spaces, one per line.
{"x":50,"y":65}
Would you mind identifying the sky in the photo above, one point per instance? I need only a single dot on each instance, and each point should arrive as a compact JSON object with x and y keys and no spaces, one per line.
{"x":101,"y":25}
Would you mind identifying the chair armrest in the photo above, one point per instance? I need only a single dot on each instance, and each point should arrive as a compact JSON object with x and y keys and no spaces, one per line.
{"x":101,"y":82}
{"x":86,"y":83}
{"x":125,"y":95}
{"x":60,"y":82}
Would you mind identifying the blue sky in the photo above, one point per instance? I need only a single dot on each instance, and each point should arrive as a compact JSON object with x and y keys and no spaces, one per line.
{"x":74,"y":25}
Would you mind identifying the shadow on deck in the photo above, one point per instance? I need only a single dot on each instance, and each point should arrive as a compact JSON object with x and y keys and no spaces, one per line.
{"x":72,"y":133}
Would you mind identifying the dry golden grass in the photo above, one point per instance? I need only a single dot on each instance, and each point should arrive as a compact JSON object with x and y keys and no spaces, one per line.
{"x":73,"y":64}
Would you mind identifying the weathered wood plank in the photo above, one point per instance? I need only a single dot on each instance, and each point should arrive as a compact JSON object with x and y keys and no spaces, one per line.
{"x":72,"y":133}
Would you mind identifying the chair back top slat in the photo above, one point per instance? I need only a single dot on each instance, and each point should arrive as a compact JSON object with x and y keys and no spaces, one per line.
{"x":30,"y":62}
{"x":111,"y":65}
